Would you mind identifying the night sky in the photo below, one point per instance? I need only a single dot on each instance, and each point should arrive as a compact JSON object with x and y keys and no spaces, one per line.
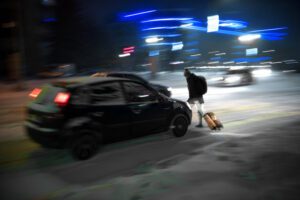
{"x":85,"y":22}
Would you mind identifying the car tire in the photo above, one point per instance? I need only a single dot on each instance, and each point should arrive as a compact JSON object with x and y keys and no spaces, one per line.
{"x":179,"y":125}
{"x":84,"y":147}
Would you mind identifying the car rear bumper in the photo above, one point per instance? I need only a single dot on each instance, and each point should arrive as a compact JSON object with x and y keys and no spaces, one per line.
{"x":49,"y":138}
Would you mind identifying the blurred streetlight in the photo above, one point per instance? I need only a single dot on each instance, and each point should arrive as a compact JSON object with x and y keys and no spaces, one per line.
{"x":153,"y":39}
{"x":124,"y":55}
{"x":249,"y":37}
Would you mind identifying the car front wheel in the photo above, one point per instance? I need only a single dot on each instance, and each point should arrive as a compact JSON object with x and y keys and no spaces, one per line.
{"x":179,"y":125}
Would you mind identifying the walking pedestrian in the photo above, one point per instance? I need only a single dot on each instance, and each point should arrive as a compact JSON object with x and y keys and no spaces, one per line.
{"x":197,"y":87}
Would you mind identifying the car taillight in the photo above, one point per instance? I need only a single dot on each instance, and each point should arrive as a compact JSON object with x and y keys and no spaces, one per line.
{"x":62,"y":98}
{"x":35,"y":92}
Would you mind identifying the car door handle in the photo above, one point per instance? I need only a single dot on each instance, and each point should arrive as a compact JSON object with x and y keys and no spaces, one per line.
{"x":98,"y":114}
{"x":136,"y":110}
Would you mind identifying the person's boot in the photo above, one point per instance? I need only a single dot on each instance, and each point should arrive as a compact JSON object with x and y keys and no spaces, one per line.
{"x":200,"y":125}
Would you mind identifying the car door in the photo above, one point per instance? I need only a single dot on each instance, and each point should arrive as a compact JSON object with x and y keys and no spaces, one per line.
{"x":148,"y":112}
{"x":109,"y":108}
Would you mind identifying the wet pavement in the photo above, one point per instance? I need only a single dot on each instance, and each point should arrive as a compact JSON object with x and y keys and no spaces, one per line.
{"x":256,"y":155}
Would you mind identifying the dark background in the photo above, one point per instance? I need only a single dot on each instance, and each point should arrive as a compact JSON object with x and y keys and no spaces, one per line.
{"x":88,"y":32}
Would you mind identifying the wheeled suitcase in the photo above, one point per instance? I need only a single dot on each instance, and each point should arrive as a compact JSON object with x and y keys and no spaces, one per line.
{"x":218,"y":123}
{"x":211,"y":124}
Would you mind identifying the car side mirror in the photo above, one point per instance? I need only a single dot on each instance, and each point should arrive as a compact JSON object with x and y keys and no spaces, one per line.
{"x":161,"y":98}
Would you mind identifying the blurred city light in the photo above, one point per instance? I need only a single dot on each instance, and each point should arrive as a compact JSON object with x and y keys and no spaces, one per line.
{"x":124,"y":55}
{"x":153,"y":39}
{"x":213,"y":23}
{"x":153,"y":53}
{"x":228,"y":62}
{"x":164,"y":35}
{"x":244,"y":62}
{"x":140,"y":13}
{"x":236,"y":24}
{"x":128,"y":48}
{"x":213,"y":52}
{"x":288,"y":62}
{"x":166,"y":19}
{"x":270,"y":29}
{"x":266,"y":63}
{"x":262,"y":72}
{"x":255,"y":59}
{"x":268,"y":51}
{"x":177,"y":46}
{"x":161,"y":28}
{"x":212,"y":63}
{"x":251,"y":52}
{"x":176,"y":62}
{"x":128,"y":51}
{"x":249,"y":37}
{"x":49,"y":20}
{"x":186,"y":25}
{"x":194,"y":55}
{"x":159,"y":44}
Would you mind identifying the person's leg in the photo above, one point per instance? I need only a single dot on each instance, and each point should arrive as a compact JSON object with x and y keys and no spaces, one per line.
{"x":200,"y":110}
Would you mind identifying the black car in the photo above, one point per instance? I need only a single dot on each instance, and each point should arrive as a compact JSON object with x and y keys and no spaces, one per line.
{"x":83,"y":114}
{"x":160,"y":88}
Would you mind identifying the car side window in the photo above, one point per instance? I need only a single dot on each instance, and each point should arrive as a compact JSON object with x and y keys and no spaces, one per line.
{"x":81,"y":96}
{"x":137,"y":93}
{"x":107,"y":94}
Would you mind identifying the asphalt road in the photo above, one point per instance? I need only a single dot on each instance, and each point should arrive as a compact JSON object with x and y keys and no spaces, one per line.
{"x":256,"y":155}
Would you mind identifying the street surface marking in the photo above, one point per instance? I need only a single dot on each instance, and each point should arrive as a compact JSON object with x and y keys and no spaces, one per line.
{"x":262,"y":117}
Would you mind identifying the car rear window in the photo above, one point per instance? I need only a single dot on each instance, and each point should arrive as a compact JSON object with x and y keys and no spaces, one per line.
{"x":48,"y":94}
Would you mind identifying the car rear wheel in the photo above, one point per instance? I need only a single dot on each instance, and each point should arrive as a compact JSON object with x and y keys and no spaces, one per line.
{"x":84,"y":147}
{"x":179,"y":125}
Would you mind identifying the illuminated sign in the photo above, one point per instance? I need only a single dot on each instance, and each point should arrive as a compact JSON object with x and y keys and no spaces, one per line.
{"x":177,"y":46}
{"x":153,"y":53}
{"x":213,"y":23}
{"x":251,"y":52}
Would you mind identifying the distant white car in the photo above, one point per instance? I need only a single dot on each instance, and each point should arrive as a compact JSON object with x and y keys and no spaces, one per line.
{"x":236,"y":77}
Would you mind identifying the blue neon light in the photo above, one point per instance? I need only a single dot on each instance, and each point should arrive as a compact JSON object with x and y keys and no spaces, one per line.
{"x":233,"y":24}
{"x":166,"y":19}
{"x":258,"y":59}
{"x":164,"y":44}
{"x":140,"y":13}
{"x":164,"y":35}
{"x":153,"y":53}
{"x":161,"y":28}
{"x":270,"y":29}
{"x":268,"y":34}
{"x":191,"y":50}
{"x":49,"y":19}
{"x":227,"y":32}
{"x":265,"y":35}
{"x":160,"y":44}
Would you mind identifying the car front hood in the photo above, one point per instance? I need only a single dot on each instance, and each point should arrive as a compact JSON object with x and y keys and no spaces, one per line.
{"x":157,"y":86}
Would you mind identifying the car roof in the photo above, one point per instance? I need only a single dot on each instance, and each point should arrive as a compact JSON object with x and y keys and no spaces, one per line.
{"x":126,"y":73}
{"x":78,"y":82}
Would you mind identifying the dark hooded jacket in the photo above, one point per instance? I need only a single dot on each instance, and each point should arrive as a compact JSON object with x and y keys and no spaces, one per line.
{"x":196,"y":87}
